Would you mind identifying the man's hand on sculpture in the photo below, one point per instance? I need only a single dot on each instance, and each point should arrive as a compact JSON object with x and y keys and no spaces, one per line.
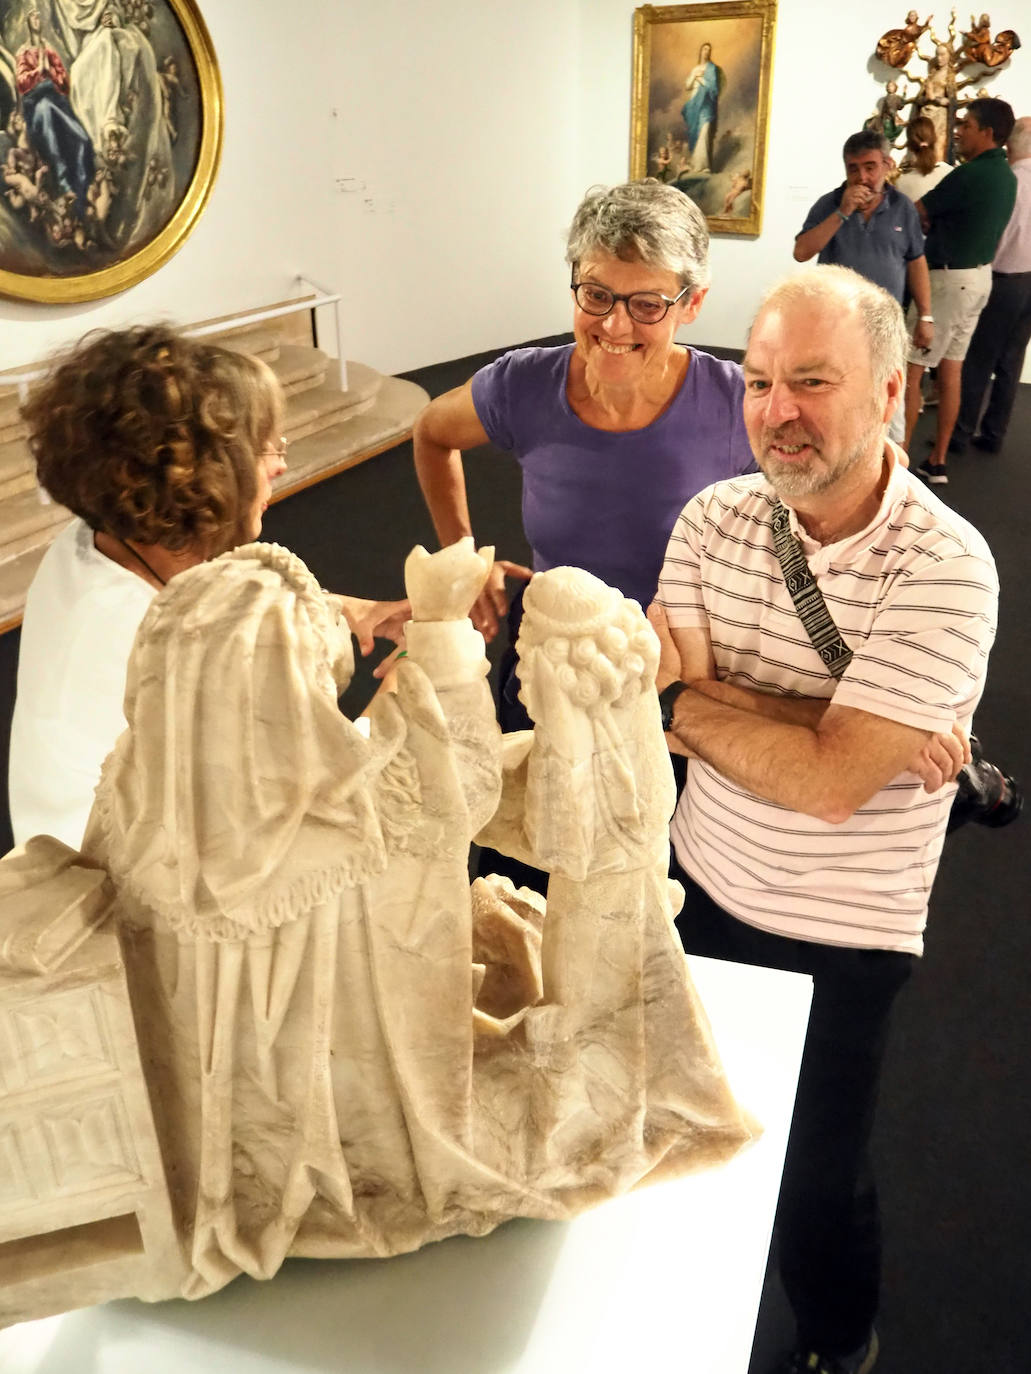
{"x":492,"y":604}
{"x":941,"y":758}
{"x":444,"y":585}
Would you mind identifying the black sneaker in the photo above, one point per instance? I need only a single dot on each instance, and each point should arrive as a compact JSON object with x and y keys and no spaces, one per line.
{"x":861,"y":1361}
{"x":985,"y":444}
{"x":935,"y":473}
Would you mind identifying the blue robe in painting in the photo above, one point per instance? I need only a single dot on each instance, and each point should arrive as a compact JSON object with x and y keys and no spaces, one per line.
{"x":60,"y":139}
{"x":702,"y":106}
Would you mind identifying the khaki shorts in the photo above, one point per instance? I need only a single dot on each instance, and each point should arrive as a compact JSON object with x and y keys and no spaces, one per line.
{"x":957,"y":298}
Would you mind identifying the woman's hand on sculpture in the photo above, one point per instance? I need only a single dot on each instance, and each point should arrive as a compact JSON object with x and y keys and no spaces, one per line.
{"x":492,"y":604}
{"x":444,"y":585}
{"x":372,"y":620}
{"x":386,"y":670}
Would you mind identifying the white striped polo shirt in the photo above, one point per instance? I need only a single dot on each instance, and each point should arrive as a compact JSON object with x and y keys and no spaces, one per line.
{"x":915,"y":596}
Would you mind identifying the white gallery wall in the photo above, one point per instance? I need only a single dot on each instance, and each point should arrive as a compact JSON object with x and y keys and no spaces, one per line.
{"x":424,"y":161}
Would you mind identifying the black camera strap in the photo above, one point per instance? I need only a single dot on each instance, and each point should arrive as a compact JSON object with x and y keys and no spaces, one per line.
{"x":809,"y":603}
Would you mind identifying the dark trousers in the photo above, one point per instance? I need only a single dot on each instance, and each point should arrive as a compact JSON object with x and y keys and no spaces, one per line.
{"x":998,"y":346}
{"x":512,"y":715}
{"x":828,"y":1225}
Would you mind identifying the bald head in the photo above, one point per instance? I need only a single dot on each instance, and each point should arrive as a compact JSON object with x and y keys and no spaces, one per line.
{"x":842,"y":290}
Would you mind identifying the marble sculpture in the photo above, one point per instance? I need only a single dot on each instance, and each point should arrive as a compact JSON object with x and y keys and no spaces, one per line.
{"x":346,"y":1051}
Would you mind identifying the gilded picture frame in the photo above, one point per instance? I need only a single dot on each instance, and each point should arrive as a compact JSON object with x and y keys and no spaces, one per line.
{"x":111,"y":125}
{"x":700,"y":106}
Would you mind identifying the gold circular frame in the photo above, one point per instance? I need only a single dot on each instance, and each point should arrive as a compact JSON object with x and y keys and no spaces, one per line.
{"x":108,"y":281}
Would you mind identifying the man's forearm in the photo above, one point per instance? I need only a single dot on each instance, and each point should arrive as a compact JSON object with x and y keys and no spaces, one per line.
{"x":771,"y":706}
{"x":827,"y":770}
{"x":816,"y":239}
{"x":777,"y":760}
{"x":807,"y":711}
{"x":919,"y":282}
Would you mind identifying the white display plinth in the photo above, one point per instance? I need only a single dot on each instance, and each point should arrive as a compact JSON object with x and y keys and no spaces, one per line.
{"x":668,"y":1277}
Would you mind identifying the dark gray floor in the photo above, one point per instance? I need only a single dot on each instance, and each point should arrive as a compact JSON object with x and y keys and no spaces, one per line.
{"x":952,"y":1136}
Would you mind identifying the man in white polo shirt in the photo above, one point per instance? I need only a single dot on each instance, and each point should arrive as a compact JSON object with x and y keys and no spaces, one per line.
{"x":812,"y":821}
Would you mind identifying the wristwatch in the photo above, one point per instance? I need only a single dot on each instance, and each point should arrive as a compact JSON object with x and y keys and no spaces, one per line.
{"x":927,"y":319}
{"x":667,"y":697}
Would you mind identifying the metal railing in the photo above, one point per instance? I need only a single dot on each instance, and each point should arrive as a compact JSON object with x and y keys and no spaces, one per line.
{"x":322,"y":298}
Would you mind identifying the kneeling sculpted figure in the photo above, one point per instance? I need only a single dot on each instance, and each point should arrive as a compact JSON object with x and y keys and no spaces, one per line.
{"x":348,"y":1053}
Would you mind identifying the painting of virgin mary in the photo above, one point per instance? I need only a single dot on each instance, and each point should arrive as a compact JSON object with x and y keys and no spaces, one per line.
{"x":700,"y":105}
{"x":701,"y":108}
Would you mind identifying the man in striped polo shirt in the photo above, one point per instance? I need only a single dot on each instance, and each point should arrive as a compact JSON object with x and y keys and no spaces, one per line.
{"x":811,"y":825}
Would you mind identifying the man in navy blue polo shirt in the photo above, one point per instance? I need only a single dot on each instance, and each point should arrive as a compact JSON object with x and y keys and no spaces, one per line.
{"x":867,"y":225}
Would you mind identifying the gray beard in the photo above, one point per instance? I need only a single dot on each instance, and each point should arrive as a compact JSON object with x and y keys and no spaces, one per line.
{"x":789,"y":479}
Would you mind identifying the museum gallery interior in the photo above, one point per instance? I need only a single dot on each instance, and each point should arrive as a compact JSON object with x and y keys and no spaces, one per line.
{"x":316,"y":1095}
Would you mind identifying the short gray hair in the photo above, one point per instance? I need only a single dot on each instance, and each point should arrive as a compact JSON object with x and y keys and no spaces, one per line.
{"x":643,"y":221}
{"x":1019,"y":141}
{"x":879,"y":311}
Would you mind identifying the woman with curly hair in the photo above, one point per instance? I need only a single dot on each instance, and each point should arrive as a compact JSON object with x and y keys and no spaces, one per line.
{"x":165,"y":449}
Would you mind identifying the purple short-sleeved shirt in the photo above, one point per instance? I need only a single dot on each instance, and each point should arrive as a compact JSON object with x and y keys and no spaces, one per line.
{"x":602,"y":501}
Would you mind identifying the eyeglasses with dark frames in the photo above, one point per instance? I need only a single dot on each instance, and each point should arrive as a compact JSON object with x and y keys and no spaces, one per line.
{"x":646,"y":307}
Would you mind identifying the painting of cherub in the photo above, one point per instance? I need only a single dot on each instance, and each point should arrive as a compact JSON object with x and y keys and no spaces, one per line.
{"x":700,"y":103}
{"x":105,"y":123}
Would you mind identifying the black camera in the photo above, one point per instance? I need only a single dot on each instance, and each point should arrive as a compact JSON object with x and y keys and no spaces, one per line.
{"x":986,"y":795}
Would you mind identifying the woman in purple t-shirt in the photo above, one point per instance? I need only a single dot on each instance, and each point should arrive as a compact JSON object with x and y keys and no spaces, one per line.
{"x":616,"y":432}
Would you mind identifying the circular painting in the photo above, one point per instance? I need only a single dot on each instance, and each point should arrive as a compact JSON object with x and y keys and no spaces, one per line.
{"x":110,"y":134}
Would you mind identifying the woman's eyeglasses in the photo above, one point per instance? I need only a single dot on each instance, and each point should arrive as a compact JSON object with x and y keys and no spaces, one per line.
{"x":646,"y":307}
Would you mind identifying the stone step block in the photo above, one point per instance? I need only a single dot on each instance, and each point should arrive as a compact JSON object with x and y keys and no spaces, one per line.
{"x":12,"y":426}
{"x":16,"y":575}
{"x":261,"y":341}
{"x":25,"y":521}
{"x":324,"y":406}
{"x":9,"y":403}
{"x":301,"y":369}
{"x":318,"y":408}
{"x":383,"y":424}
{"x":17,"y":468}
